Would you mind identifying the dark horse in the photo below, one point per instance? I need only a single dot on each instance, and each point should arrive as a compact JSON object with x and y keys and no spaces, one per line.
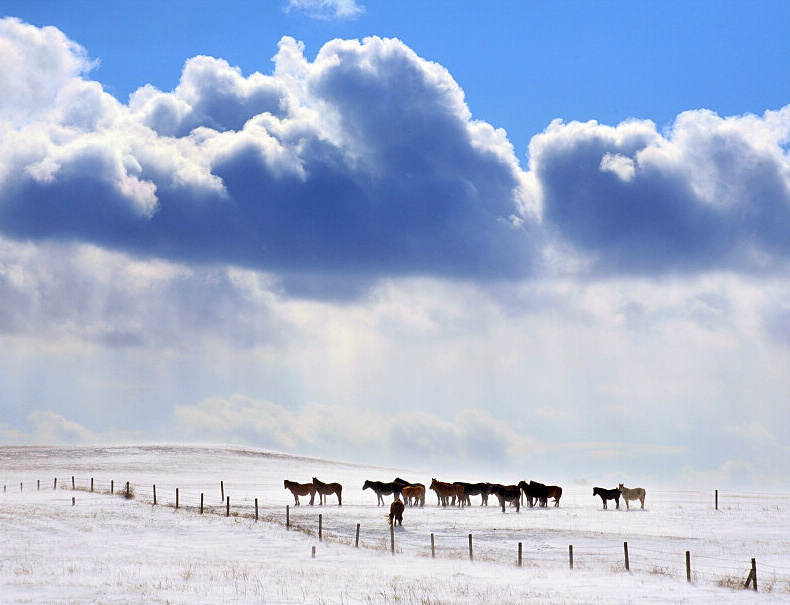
{"x":541,"y":492}
{"x":396,"y":513}
{"x":507,"y":493}
{"x":475,"y":489}
{"x":327,"y":489}
{"x":384,"y":489}
{"x":607,"y":494}
{"x":535,"y":492}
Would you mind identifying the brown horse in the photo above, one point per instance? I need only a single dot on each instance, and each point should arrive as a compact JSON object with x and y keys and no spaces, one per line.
{"x":301,"y":489}
{"x":446,"y":491}
{"x":327,"y":489}
{"x":396,"y":513}
{"x":415,"y":493}
{"x":554,"y":491}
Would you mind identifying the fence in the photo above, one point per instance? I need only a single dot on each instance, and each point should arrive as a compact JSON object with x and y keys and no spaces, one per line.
{"x":739,"y":572}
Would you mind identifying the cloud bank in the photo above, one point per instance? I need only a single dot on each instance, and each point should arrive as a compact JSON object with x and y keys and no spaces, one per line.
{"x":366,"y":162}
{"x":709,"y":194}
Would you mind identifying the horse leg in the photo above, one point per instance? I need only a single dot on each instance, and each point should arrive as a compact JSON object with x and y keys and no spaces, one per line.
{"x":297,"y":500}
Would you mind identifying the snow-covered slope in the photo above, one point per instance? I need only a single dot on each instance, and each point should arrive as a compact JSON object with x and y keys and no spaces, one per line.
{"x":109,"y":549}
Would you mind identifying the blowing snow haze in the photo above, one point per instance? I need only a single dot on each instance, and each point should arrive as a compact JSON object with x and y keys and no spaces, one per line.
{"x":332,"y":255}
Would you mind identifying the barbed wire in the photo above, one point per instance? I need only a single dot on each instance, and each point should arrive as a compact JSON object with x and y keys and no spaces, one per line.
{"x":194,"y":497}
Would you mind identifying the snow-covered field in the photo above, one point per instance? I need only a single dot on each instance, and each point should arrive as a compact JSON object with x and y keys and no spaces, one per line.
{"x":102,"y":548}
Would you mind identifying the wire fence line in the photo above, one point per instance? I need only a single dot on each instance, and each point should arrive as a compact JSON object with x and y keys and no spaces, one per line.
{"x":238,"y":500}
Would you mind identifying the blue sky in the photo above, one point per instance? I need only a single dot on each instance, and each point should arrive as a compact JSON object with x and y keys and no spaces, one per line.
{"x":549,"y":236}
{"x":520,"y":64}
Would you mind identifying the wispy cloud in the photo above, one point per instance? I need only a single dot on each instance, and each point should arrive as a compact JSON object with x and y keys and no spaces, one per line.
{"x":471,"y":438}
{"x":327,"y":9}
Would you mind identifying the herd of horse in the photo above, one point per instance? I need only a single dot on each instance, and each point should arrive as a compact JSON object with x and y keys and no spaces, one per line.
{"x":458,"y":493}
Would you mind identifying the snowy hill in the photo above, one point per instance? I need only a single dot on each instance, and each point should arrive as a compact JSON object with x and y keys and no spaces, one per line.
{"x":110,"y":549}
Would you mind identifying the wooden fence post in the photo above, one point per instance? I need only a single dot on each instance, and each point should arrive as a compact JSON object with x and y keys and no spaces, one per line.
{"x":176,"y":498}
{"x":320,"y":528}
{"x":717,"y":499}
{"x":21,"y":486}
{"x":91,"y":484}
{"x":570,"y":555}
{"x":688,"y":566}
{"x":625,"y":549}
{"x":519,"y":554}
{"x":38,"y":484}
{"x":471,"y":554}
{"x":112,"y":486}
{"x":201,"y":503}
{"x":128,"y":493}
{"x":55,"y":486}
{"x":256,"y":510}
{"x":752,"y":577}
{"x":154,"y":494}
{"x":227,"y":509}
{"x":222,"y":490}
{"x":72,"y":482}
{"x":392,"y":538}
{"x":433,"y":548}
{"x":288,"y":516}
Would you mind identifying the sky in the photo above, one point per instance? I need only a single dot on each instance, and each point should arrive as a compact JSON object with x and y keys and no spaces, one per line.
{"x":545,"y":236}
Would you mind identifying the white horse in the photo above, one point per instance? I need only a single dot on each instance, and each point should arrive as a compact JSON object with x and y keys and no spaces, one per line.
{"x":636,"y":493}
